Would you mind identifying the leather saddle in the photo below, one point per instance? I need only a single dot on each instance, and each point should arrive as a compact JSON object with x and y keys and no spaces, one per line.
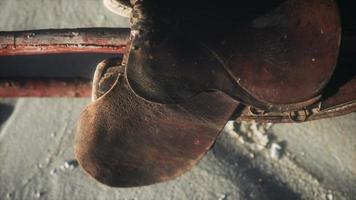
{"x":191,"y":67}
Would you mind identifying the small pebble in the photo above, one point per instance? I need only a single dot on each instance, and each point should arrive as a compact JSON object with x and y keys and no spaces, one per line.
{"x":70,"y":164}
{"x":276,"y":151}
{"x":330,"y":196}
{"x":67,"y":165}
{"x":135,"y":32}
{"x":38,"y":194}
{"x":241,"y":140}
{"x":8,"y":195}
{"x":30,"y":35}
{"x":230,"y":127}
{"x":53,"y":172}
{"x":222,"y":197}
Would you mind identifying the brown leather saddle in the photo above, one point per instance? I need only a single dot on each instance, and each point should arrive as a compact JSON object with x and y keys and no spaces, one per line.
{"x":191,"y":67}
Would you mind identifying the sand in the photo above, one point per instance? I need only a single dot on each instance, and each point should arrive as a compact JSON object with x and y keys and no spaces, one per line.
{"x":314,"y":160}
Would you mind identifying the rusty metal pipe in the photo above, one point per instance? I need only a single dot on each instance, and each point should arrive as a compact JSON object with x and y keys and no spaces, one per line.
{"x":44,"y":87}
{"x":57,"y":41}
{"x":52,"y":41}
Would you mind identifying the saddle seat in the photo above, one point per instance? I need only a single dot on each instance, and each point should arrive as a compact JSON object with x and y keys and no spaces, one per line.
{"x":278,"y":58}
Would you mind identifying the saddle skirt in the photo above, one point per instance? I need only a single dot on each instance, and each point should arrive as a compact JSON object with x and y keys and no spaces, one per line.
{"x":189,"y":68}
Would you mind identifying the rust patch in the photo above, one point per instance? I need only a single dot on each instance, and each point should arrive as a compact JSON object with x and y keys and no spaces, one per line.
{"x":54,"y":41}
{"x":42,"y":87}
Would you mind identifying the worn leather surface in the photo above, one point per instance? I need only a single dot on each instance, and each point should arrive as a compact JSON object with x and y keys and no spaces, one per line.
{"x":287,"y":55}
{"x":182,"y":81}
{"x":274,"y":57}
{"x":124,"y":140}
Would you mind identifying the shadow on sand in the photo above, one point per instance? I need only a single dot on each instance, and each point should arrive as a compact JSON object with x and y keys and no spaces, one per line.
{"x":5,"y":112}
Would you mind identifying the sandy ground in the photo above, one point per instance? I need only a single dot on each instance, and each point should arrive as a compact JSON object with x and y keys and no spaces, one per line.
{"x":314,"y":160}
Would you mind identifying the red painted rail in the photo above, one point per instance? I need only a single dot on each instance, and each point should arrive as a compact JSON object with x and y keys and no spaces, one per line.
{"x":57,"y":41}
{"x":45,"y":87}
{"x":87,"y":40}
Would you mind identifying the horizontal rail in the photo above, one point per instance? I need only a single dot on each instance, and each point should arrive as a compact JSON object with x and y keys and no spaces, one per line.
{"x":86,"y":40}
{"x":44,"y":87}
{"x":57,"y":41}
{"x":54,"y":41}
